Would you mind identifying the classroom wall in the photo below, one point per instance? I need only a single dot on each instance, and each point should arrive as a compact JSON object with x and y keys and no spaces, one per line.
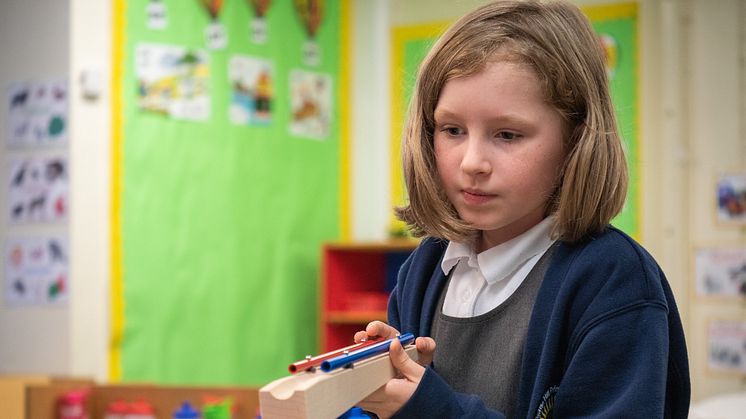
{"x":715,"y":142}
{"x":34,"y":48}
{"x":693,"y":104}
{"x":48,"y":39}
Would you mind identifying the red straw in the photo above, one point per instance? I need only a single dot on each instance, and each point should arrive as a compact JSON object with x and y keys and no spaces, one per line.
{"x":309,"y":363}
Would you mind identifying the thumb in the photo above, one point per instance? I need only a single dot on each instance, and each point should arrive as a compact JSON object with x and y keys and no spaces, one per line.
{"x":411,"y":370}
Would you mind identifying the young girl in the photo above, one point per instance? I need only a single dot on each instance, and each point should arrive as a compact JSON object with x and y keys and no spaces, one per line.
{"x":514,"y":168}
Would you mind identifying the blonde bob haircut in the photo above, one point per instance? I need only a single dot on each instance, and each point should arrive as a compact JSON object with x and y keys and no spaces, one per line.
{"x":557,"y":42}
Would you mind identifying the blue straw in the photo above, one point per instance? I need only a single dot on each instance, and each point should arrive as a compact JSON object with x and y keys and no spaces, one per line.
{"x":370,"y":351}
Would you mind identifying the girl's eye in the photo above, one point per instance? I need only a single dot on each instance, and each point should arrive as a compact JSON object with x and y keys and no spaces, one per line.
{"x":507,"y":136}
{"x":452,"y":131}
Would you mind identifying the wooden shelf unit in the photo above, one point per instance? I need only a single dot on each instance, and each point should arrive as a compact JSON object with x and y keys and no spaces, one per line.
{"x":356,"y":279}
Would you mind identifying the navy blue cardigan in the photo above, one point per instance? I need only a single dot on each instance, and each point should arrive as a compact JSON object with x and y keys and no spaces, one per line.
{"x":604,"y":340}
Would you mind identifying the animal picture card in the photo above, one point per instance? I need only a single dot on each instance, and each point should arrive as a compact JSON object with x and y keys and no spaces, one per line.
{"x":310,"y":103}
{"x":252,"y":81}
{"x":37,"y":113}
{"x":38,"y":190}
{"x":36,"y":270}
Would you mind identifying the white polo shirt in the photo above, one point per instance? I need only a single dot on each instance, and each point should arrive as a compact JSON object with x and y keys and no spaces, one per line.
{"x":481,"y":282}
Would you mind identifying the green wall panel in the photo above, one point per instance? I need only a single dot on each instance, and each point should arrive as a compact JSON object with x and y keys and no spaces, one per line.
{"x":222,"y":223}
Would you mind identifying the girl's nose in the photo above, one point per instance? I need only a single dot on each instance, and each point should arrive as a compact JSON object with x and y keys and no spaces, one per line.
{"x":475,"y":160}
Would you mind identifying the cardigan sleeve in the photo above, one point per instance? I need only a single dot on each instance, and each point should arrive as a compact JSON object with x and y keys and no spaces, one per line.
{"x":434,"y":398}
{"x":393,"y":316}
{"x":416,"y":287}
{"x":615,"y":359}
{"x":617,"y":368}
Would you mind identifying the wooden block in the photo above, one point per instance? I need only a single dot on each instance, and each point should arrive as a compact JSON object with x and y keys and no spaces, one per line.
{"x":320,"y":395}
{"x":13,"y":393}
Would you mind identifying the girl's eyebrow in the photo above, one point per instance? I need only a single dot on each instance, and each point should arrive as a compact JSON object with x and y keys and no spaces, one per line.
{"x":510,"y":119}
{"x":443,"y":113}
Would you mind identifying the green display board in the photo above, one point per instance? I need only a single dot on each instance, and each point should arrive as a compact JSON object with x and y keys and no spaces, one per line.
{"x":229,"y":183}
{"x":616,"y":25}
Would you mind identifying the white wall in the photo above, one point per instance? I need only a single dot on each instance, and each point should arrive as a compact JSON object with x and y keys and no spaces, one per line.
{"x":369,"y":159}
{"x":44,"y":39}
{"x":34,"y":48}
{"x":90,"y":193}
{"x":715,"y":133}
{"x":693,"y":107}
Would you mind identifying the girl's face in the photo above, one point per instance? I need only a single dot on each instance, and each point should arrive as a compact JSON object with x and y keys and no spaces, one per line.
{"x":498,"y":147}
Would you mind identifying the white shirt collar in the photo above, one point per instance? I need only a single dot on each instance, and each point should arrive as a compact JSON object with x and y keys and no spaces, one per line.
{"x":498,"y":262}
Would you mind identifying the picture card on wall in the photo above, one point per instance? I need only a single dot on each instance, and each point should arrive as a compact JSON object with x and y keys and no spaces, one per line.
{"x":38,"y":190}
{"x":252,"y":93}
{"x":36,"y":270}
{"x":727,"y":346}
{"x":37,"y":113}
{"x":720,"y":271}
{"x":731,"y":198}
{"x":173,"y":81}
{"x":310,"y":103}
{"x":157,"y":14}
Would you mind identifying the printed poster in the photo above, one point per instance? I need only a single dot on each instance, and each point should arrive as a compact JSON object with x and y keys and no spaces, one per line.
{"x":37,"y":113}
{"x":727,"y":346}
{"x":310,"y":103}
{"x":721,"y":271}
{"x":173,"y":81}
{"x":36,"y":270}
{"x":252,"y":81}
{"x":38,"y":190}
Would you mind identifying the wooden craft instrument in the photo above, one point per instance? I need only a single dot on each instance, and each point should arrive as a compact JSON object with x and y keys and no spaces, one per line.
{"x":333,"y":385}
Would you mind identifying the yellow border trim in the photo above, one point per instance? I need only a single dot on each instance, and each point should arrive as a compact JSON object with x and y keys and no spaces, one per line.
{"x":637,"y":235}
{"x":346,"y":16}
{"x":400,"y":35}
{"x":117,"y":288}
{"x":117,"y":156}
{"x":602,"y":12}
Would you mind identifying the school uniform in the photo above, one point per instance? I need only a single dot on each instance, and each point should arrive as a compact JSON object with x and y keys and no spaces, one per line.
{"x":602,"y":338}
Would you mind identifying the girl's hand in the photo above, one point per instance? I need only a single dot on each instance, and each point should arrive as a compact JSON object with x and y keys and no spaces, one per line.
{"x":376,"y":328}
{"x":425,"y":346}
{"x":388,"y":399}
